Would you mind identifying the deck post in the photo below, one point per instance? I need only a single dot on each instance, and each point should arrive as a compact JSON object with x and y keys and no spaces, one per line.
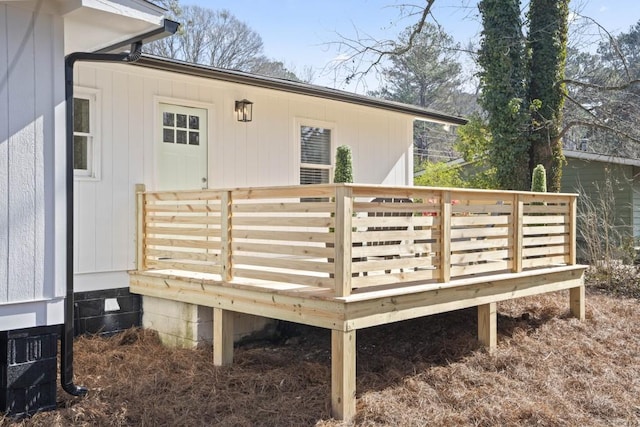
{"x":222,"y":337}
{"x":445,"y":237}
{"x":226,"y":220}
{"x":518,"y":232}
{"x":573,"y":216}
{"x":343,"y":375}
{"x":576,"y":302}
{"x":140,"y":225}
{"x":342,"y":246}
{"x":488,"y":326}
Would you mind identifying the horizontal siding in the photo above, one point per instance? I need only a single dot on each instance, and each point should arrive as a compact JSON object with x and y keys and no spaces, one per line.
{"x":636,"y":203}
{"x":586,"y":177}
{"x":259,"y":153}
{"x":28,"y":42}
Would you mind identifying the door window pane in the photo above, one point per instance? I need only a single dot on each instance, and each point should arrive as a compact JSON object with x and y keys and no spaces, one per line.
{"x":194,"y":122}
{"x":181,"y":136}
{"x":168,"y":119}
{"x":181,"y":121}
{"x":194,"y":138}
{"x":167,"y":136}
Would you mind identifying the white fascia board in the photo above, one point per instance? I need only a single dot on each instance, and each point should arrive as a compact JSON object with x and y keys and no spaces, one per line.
{"x":100,"y":23}
{"x":135,"y":9}
{"x":31,"y":314}
{"x":582,"y":155}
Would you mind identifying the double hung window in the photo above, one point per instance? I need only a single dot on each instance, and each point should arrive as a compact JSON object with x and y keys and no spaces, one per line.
{"x":85,"y":141}
{"x":315,"y":154}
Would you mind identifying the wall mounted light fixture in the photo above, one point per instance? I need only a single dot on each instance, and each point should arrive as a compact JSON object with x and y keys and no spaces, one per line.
{"x":244,"y":110}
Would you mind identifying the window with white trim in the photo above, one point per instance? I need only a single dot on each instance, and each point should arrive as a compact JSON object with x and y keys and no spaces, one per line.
{"x":315,"y":154}
{"x":85,"y":143}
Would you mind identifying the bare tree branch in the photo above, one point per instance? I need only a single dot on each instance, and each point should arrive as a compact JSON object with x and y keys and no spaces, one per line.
{"x":361,"y":47}
{"x":596,"y":123}
{"x":612,"y":42}
{"x":589,"y":85}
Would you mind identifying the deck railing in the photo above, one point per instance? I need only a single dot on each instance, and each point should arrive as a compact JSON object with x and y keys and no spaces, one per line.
{"x":348,"y":236}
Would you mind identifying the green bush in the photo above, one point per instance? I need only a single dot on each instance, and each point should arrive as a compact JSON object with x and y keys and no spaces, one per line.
{"x":439,"y":174}
{"x":539,"y":179}
{"x":344,"y":165}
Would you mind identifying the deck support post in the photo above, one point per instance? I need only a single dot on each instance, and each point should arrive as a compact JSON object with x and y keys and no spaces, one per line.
{"x":343,"y":375}
{"x":222,"y":337}
{"x":140,"y":226}
{"x":488,"y":326}
{"x":576,"y":302}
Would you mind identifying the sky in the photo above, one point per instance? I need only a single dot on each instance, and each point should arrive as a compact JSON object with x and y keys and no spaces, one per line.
{"x":300,"y":33}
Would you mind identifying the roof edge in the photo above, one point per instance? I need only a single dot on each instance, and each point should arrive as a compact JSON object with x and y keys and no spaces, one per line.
{"x":601,"y":158}
{"x":197,"y":70}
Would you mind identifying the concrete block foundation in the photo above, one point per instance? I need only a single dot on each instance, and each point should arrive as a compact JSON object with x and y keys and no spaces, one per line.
{"x":187,"y":325}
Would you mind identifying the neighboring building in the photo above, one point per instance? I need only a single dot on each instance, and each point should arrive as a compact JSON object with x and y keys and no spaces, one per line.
{"x":586,"y":173}
{"x":161,"y":123}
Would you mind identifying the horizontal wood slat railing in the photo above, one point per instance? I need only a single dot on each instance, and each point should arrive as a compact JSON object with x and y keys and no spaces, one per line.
{"x":348,"y":236}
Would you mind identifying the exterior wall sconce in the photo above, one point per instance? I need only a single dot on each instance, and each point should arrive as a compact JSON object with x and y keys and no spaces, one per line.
{"x":244,"y":110}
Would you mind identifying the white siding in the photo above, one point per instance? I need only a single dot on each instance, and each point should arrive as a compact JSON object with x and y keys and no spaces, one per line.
{"x":29,"y":124}
{"x":262,"y":152}
{"x":4,"y":158}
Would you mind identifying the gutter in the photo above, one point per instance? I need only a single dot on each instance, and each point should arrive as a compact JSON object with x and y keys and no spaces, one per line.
{"x":102,"y":55}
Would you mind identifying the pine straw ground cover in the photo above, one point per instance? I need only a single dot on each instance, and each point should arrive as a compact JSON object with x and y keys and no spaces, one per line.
{"x":549,"y":370}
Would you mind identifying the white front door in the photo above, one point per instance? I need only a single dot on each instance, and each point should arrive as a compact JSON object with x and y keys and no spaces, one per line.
{"x":182,"y":148}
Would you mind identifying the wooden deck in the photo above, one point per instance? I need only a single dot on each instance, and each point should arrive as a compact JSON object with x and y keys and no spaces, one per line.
{"x":346,"y":257}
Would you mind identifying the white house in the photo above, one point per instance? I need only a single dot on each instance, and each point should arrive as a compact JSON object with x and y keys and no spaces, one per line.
{"x":35,"y":36}
{"x":172,"y":125}
{"x":157,"y":122}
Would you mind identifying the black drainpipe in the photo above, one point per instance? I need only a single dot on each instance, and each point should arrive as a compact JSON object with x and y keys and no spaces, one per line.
{"x":66,"y":339}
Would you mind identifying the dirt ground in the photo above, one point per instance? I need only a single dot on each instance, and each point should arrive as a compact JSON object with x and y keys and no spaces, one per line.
{"x":549,"y":370}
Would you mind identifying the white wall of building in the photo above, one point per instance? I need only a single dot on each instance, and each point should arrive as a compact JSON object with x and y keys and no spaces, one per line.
{"x":262,"y":152}
{"x":31,"y":142}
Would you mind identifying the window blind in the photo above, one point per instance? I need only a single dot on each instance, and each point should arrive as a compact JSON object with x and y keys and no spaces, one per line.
{"x":316,"y":145}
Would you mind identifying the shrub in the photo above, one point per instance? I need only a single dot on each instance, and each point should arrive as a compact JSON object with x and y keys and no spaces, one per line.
{"x":539,"y":179}
{"x":439,"y":174}
{"x":344,"y":165}
{"x":609,"y":251}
